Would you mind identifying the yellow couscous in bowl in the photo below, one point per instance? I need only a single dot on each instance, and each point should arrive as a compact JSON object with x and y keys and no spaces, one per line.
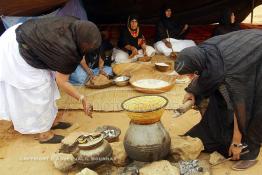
{"x":145,"y":109}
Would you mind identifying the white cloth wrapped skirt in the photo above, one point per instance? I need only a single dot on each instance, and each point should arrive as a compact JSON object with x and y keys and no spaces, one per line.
{"x":120,"y":56}
{"x":27,"y":94}
{"x":177,"y":46}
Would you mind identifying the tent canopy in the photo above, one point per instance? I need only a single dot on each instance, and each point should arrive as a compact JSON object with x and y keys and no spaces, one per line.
{"x":105,"y":12}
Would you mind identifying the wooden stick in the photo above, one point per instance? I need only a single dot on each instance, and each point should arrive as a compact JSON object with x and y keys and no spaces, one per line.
{"x":223,"y":161}
{"x":169,"y":39}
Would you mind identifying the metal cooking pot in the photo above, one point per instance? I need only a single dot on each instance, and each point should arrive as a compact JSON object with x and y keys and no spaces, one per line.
{"x":93,"y":150}
{"x":147,"y":142}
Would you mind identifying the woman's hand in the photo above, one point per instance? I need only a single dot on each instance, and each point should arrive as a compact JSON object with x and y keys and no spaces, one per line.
{"x":134,"y":51}
{"x":144,"y":52}
{"x":143,"y":46}
{"x":87,"y":107}
{"x":189,"y":96}
{"x":102,"y":72}
{"x":236,"y":140}
{"x":87,"y":69}
{"x":90,"y":73}
{"x":62,"y":82}
{"x":234,"y":151}
{"x":168,"y":44}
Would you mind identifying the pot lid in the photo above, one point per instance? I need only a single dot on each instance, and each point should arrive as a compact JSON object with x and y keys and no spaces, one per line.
{"x":90,"y":140}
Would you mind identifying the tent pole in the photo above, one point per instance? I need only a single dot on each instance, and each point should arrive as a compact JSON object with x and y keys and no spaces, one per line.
{"x":252,"y":12}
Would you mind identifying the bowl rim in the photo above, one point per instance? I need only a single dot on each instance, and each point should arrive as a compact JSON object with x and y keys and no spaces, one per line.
{"x":154,"y":89}
{"x":128,"y":78}
{"x":157,"y":64}
{"x":143,"y":111}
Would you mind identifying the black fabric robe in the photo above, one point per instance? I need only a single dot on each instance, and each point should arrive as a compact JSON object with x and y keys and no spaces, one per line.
{"x":225,"y":26}
{"x":169,"y":27}
{"x":55,"y":43}
{"x":234,"y":61}
{"x":127,"y":39}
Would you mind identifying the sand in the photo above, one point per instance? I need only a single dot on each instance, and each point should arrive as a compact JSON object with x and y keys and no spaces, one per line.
{"x":21,"y":154}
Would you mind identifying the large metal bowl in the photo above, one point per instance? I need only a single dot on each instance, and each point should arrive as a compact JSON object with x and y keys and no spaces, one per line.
{"x":169,"y":79}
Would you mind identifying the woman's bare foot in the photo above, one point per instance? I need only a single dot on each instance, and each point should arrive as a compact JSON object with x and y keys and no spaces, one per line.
{"x":50,"y":138}
{"x":44,"y":136}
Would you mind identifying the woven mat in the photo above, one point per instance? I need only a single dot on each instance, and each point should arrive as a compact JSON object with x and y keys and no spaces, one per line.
{"x":110,"y":99}
{"x":129,"y":69}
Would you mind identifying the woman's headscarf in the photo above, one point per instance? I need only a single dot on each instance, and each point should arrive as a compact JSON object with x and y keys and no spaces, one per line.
{"x":167,"y":22}
{"x":87,"y":32}
{"x":204,"y":60}
{"x":130,"y":18}
{"x":190,"y":60}
{"x":55,"y":43}
{"x":168,"y":27}
{"x":133,"y":32}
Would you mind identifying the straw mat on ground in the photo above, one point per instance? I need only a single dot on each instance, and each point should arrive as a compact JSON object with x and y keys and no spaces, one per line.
{"x":110,"y":99}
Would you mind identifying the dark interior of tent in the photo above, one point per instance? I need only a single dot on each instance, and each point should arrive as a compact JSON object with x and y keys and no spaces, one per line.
{"x":112,"y":15}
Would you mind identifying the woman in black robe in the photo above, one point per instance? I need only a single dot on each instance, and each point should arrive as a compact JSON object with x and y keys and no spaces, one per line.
{"x":170,"y":34}
{"x":132,"y":42}
{"x":168,"y":27}
{"x":227,"y":23}
{"x":35,"y":56}
{"x":230,"y":71}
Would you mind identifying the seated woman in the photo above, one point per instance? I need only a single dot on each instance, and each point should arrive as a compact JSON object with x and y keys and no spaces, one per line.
{"x":168,"y":31}
{"x":230,"y":71}
{"x":96,"y":62}
{"x":132,"y":43}
{"x":227,"y":23}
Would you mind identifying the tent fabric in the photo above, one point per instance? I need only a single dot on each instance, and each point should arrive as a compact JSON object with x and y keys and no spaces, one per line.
{"x":108,"y":12}
{"x":29,"y":7}
{"x":197,"y":33}
{"x":185,"y":11}
{"x":71,"y":8}
{"x":10,"y":21}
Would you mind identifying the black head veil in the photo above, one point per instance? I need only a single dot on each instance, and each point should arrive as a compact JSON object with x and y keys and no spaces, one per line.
{"x":167,"y":22}
{"x":86,"y":32}
{"x":190,"y":60}
{"x":54,"y":43}
{"x":225,"y":18}
{"x":130,"y":18}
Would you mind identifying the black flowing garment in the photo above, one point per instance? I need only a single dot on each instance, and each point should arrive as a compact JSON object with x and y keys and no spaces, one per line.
{"x":104,"y":52}
{"x":54,"y":43}
{"x":126,"y":38}
{"x":232,"y":65}
{"x":225,"y":26}
{"x":168,"y":27}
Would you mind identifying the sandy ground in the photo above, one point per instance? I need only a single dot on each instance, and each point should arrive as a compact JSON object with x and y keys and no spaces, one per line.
{"x":20,"y":154}
{"x":23,"y":155}
{"x":257,"y":17}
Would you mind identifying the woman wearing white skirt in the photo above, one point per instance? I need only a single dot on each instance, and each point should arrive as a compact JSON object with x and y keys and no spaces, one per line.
{"x":169,"y":34}
{"x":35,"y":57}
{"x":132,"y":43}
